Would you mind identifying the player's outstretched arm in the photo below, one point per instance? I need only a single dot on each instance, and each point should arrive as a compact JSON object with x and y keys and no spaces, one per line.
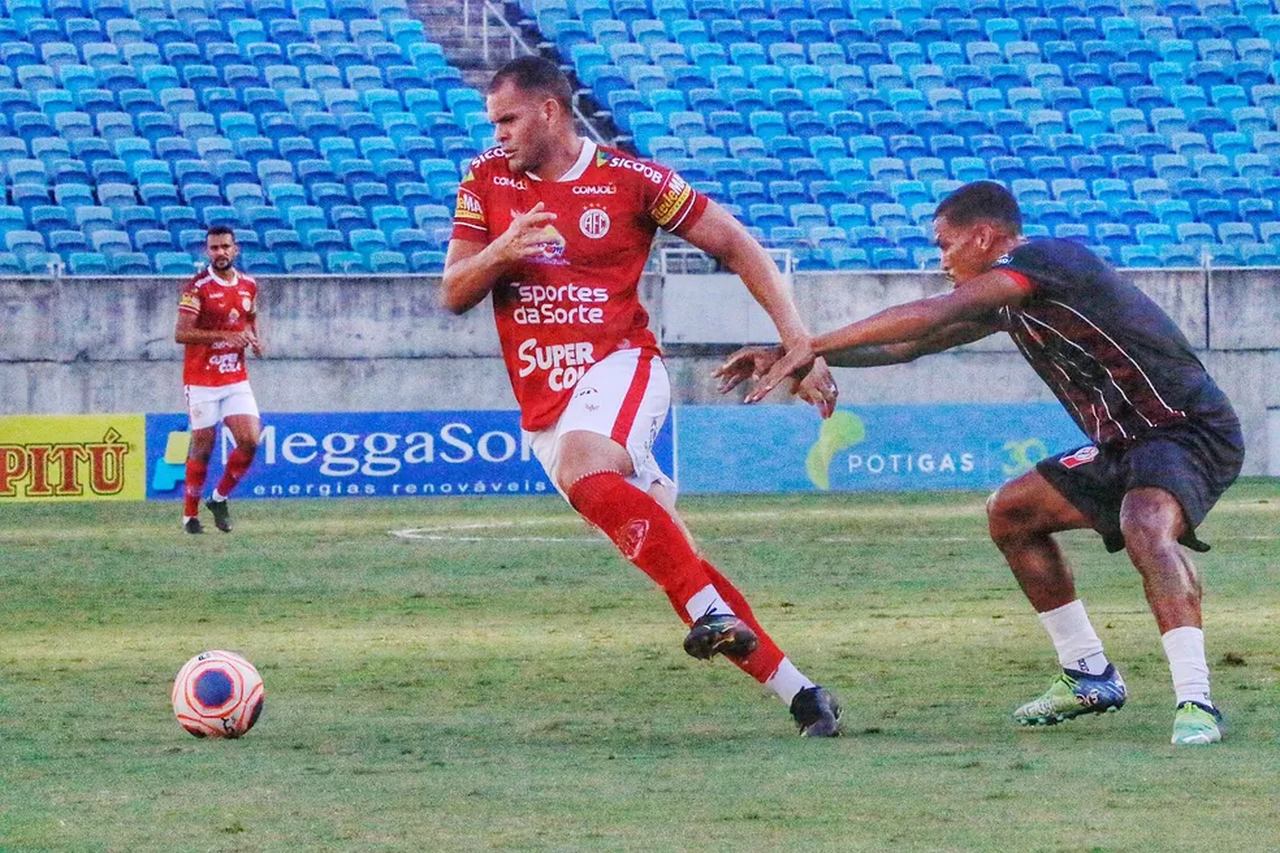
{"x":900,"y":353}
{"x":973,"y":301}
{"x":472,"y":269}
{"x":753,"y":362}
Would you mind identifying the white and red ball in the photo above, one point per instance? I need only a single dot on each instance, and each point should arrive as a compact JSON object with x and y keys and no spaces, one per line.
{"x":217,"y":694}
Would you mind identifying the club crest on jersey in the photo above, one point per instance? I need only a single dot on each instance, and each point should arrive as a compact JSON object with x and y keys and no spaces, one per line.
{"x":233,"y":315}
{"x":1083,"y":456}
{"x":594,"y":222}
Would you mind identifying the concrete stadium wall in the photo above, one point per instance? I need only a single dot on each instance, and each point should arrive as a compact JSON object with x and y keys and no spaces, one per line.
{"x":382,"y":342}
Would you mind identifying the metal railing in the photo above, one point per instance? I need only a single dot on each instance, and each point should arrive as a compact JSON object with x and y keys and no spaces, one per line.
{"x":493,"y":26}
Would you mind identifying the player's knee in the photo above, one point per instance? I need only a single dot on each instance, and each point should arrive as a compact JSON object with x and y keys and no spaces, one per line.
{"x":1006,"y":515}
{"x":1145,"y":530}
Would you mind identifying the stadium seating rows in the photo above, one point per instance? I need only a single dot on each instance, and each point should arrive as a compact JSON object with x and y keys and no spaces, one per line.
{"x":1149,"y":129}
{"x":328,"y":132}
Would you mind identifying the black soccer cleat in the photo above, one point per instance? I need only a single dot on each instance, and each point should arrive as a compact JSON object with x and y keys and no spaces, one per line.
{"x":816,"y":712}
{"x":720,"y":634}
{"x":221,"y":514}
{"x":193,"y":525}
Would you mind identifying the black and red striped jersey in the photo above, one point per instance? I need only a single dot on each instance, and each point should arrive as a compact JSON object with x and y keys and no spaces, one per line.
{"x":1118,"y":363}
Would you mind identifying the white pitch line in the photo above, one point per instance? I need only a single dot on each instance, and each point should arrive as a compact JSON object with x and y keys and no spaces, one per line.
{"x":446,"y":534}
{"x":454,"y":534}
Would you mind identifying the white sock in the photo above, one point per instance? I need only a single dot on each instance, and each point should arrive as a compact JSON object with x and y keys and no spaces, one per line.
{"x":1184,"y":647}
{"x":217,"y":496}
{"x":787,"y":681}
{"x":187,"y":518}
{"x":1073,"y":636}
{"x":704,"y":601}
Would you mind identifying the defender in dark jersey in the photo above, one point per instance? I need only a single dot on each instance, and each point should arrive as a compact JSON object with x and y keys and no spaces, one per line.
{"x":1166,"y":443}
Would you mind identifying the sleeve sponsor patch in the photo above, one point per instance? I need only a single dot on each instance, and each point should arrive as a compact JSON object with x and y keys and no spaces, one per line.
{"x":470,"y":210}
{"x":189,"y":300}
{"x":672,"y":201}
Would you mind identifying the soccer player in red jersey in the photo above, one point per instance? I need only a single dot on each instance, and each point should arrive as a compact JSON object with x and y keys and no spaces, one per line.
{"x":217,"y":320}
{"x":557,"y":229}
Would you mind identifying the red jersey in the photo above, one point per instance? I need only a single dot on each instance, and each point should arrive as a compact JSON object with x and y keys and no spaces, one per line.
{"x":226,"y":306}
{"x":560,"y":312}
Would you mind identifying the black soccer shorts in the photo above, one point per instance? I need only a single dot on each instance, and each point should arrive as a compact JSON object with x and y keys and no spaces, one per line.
{"x":1195,"y":461}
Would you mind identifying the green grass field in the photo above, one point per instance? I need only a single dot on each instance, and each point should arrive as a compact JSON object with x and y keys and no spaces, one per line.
{"x":504,"y":680}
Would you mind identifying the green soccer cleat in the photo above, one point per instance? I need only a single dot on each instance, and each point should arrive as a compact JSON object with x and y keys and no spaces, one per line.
{"x":1072,"y":694}
{"x":1195,"y":724}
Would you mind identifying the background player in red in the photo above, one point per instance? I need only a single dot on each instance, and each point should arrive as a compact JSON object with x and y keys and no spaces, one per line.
{"x":1165,"y":441}
{"x":217,"y":320}
{"x":557,"y":230}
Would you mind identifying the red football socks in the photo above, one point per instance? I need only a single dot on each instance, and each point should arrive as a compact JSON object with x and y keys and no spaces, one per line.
{"x":646,"y":534}
{"x":643,"y":531}
{"x":197,"y":470}
{"x":237,"y":463}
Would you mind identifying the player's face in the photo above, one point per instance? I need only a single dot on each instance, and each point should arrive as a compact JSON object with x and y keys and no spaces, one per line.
{"x":222,"y":251}
{"x":521,"y":125}
{"x":967,"y":250}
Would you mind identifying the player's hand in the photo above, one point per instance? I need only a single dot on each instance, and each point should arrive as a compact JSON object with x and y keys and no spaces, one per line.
{"x":795,"y":362}
{"x":524,"y":236}
{"x":241,"y":339}
{"x":818,"y":387}
{"x":746,"y":363}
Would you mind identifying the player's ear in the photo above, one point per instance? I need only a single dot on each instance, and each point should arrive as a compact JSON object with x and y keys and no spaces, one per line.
{"x":985,"y":235}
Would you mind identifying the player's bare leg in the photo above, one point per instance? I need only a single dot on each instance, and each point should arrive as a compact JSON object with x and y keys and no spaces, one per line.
{"x":1022,"y":516}
{"x":198,"y":454}
{"x":647,"y":530}
{"x":1152,"y":522}
{"x":246,"y":430}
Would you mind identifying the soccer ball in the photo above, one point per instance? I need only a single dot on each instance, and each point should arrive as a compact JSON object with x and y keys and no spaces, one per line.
{"x":217,"y":694}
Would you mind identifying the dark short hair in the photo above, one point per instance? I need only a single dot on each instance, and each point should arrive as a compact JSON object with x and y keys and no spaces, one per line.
{"x":220,"y":231}
{"x":535,"y":74}
{"x":981,"y":200}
